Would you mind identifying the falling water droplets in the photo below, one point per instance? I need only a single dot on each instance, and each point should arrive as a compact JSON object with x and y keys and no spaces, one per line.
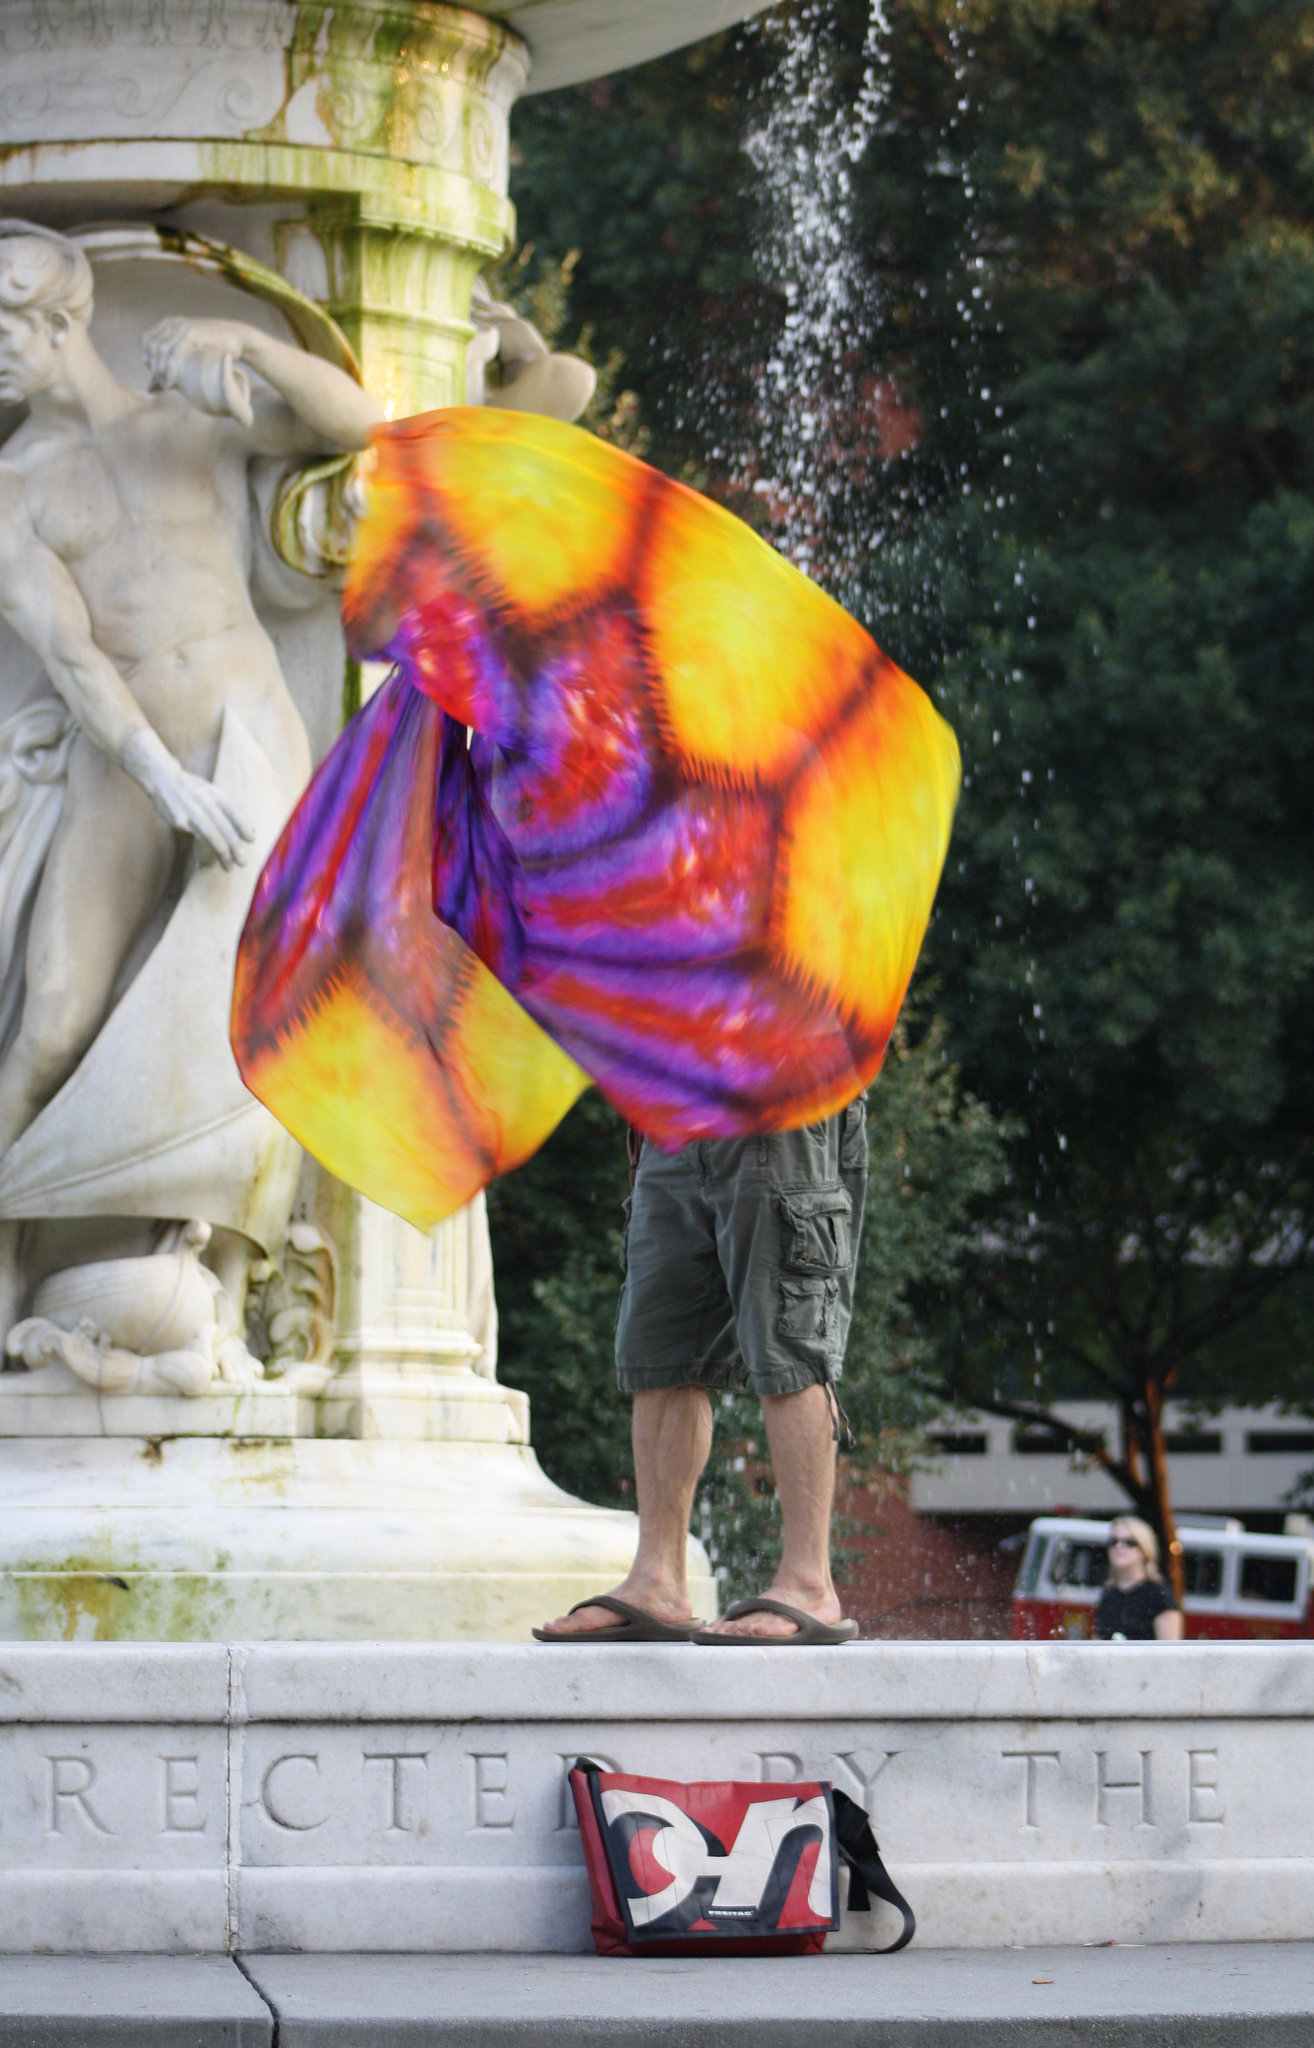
{"x":806,"y":467}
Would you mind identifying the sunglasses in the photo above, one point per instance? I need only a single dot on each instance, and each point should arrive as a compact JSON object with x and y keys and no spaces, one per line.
{"x":1122,"y":1543}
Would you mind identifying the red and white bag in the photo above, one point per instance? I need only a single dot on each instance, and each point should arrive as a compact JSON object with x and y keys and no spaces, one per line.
{"x":723,"y":1869}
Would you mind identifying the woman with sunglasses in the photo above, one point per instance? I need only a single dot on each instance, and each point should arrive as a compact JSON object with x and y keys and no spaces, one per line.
{"x":1136,"y":1606}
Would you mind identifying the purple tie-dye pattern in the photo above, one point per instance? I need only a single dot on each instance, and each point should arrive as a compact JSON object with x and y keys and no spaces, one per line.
{"x":365,"y":830}
{"x":615,"y":901}
{"x":475,"y":872}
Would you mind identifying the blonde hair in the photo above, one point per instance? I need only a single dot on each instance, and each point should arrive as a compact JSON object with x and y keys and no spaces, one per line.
{"x":1143,"y":1536}
{"x":42,"y":271}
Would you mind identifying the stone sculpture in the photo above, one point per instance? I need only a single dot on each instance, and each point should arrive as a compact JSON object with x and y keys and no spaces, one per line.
{"x":136,"y":805}
{"x":338,"y":178}
{"x":534,"y":378}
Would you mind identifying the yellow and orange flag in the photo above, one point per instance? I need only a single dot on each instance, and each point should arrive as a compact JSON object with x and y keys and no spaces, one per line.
{"x":639,"y":805}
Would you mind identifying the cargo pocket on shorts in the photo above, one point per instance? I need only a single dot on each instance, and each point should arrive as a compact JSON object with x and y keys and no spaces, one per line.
{"x":809,"y":1313}
{"x":816,"y":1229}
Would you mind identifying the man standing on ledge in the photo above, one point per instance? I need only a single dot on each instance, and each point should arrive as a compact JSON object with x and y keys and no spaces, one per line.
{"x":740,"y":1262}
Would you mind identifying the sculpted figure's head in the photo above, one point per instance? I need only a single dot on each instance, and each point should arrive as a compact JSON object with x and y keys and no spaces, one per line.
{"x":45,"y":299}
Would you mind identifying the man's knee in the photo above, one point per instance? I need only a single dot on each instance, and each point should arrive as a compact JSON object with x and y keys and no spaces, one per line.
{"x":816,"y":1395}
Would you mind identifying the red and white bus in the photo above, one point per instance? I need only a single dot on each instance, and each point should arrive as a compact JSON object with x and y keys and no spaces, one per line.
{"x":1237,"y":1585}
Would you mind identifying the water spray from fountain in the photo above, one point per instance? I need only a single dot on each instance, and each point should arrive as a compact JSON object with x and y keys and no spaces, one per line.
{"x":809,"y":464}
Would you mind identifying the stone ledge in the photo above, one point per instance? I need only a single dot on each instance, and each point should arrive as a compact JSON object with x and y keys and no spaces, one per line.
{"x":923,"y":1682}
{"x":167,"y":1682}
{"x":405,"y":1797}
{"x":907,"y":1681}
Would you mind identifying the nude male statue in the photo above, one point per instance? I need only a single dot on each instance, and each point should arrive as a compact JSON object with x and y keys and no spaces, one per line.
{"x":124,"y":535}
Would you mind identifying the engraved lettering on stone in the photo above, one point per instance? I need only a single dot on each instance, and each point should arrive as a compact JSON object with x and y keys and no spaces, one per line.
{"x":283,"y":1798}
{"x":1033,"y":1759}
{"x":1107,"y":1786}
{"x":71,"y":1781}
{"x":182,"y":1800}
{"x":852,"y":1760}
{"x":492,"y":1808}
{"x":567,"y":1818}
{"x":1204,"y":1799}
{"x":396,"y":1797}
{"x":778,"y":1766}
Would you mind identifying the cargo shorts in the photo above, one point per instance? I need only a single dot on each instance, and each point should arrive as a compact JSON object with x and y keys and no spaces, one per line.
{"x":740,"y":1257}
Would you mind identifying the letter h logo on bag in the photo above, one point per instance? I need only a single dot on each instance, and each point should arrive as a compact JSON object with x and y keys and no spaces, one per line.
{"x":717,"y":1860}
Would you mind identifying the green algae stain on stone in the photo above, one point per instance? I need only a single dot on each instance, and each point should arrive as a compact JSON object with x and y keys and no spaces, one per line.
{"x":74,"y":1602}
{"x":77,"y":1603}
{"x":411,"y":82}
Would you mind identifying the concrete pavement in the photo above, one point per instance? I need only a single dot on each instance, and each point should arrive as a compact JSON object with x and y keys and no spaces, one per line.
{"x":1243,"y":1995}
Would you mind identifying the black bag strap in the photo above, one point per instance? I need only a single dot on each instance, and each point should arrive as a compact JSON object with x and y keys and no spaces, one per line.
{"x":867,"y":1873}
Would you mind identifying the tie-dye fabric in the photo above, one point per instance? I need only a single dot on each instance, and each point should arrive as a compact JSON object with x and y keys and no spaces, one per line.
{"x":687,"y":849}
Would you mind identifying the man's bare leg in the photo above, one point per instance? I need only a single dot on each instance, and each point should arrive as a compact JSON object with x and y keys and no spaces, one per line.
{"x":106,"y":871}
{"x":672,"y":1434}
{"x":800,"y":1432}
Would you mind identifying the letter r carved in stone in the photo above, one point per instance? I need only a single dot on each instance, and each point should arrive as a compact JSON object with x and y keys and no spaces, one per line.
{"x":71,"y":1780}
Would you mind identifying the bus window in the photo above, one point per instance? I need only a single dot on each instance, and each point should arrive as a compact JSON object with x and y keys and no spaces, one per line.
{"x":1078,"y":1564}
{"x":1268,"y":1578}
{"x":1202,"y":1571}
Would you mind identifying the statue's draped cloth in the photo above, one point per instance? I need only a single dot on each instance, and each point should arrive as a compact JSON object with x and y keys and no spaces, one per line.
{"x":639,"y":804}
{"x":154,"y":1121}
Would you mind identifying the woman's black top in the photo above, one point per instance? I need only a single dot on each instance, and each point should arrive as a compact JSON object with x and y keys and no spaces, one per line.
{"x":1131,"y":1616}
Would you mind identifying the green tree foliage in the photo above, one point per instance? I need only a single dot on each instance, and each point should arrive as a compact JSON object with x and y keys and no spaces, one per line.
{"x":1084,"y":239}
{"x":556,"y":1227}
{"x":644,"y":176}
{"x":1112,"y":344}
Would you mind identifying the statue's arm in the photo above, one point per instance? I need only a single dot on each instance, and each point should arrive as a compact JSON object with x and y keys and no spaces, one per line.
{"x":42,"y":603}
{"x":317,"y":407}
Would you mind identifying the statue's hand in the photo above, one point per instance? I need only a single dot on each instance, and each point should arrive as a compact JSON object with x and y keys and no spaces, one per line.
{"x":187,"y":802}
{"x":201,"y":358}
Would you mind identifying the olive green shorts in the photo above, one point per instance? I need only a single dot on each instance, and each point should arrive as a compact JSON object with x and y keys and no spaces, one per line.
{"x":740,"y":1256}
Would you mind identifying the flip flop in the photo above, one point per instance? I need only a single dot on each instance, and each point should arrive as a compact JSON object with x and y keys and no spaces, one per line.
{"x":808,"y":1629}
{"x":635,"y":1626}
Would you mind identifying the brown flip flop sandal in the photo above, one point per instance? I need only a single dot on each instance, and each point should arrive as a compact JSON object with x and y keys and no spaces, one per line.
{"x":808,"y":1630}
{"x":635,"y":1626}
